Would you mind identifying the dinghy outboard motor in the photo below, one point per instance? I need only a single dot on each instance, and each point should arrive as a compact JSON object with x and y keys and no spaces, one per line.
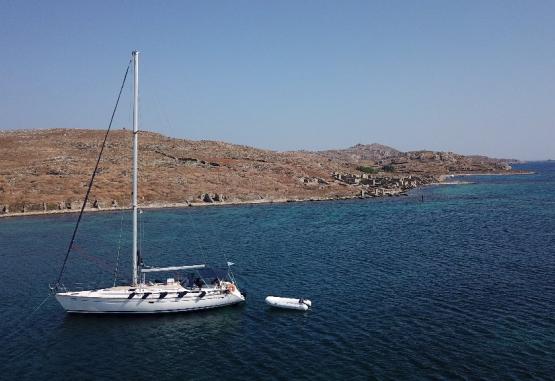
{"x":306,"y":302}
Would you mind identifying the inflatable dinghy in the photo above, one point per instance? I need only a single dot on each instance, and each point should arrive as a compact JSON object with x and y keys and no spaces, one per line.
{"x":289,"y":303}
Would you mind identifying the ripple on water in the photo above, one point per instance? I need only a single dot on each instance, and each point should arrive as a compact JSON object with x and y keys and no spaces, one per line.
{"x":457,"y":287}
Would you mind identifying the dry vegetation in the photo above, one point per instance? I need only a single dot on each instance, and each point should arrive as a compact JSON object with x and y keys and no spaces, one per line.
{"x":54,"y":167}
{"x":43,"y":170}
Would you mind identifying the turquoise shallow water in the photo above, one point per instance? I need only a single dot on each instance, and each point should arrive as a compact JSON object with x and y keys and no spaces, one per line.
{"x":460,"y":286}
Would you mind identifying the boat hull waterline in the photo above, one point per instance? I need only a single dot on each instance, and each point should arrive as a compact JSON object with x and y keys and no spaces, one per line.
{"x":111,"y":301}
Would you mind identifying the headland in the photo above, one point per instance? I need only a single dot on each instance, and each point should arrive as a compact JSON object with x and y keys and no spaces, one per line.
{"x":48,"y":171}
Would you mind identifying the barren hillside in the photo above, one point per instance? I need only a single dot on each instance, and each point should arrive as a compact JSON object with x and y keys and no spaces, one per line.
{"x":46,"y":170}
{"x":361,"y":153}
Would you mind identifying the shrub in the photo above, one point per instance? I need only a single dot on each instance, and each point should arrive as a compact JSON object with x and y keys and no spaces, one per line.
{"x":367,"y":169}
{"x":388,"y":168}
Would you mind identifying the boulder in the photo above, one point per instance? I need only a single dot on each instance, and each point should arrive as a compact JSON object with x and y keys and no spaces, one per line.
{"x":218,"y":197}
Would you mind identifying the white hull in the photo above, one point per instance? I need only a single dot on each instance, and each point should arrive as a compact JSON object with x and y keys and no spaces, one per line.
{"x":289,"y":303}
{"x":117,"y":300}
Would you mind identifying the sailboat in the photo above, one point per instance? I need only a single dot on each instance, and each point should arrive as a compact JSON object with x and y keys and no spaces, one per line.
{"x":210,"y":288}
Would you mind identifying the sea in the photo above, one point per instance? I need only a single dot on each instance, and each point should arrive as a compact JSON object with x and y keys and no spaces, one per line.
{"x":450,"y":282}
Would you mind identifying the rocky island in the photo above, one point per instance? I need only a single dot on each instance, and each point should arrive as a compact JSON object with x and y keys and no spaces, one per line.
{"x":47,"y":171}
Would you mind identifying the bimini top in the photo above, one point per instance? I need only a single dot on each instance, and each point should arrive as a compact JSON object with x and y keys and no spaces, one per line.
{"x":171,"y":268}
{"x":204,"y":271}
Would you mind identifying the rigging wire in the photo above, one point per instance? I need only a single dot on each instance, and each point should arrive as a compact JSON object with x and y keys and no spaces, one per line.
{"x":141,"y":236}
{"x":118,"y":251}
{"x":163,"y":116}
{"x":57,"y":284}
{"x":100,"y":263}
{"x":20,"y":325}
{"x":223,"y":249}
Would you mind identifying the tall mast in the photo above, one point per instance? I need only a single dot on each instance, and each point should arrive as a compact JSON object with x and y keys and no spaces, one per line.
{"x":135,"y":158}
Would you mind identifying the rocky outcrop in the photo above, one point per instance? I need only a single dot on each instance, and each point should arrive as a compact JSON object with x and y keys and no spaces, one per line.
{"x":361,"y":153}
{"x":382,"y":184}
{"x":430,"y":162}
{"x":212,"y":197}
{"x":206,"y":197}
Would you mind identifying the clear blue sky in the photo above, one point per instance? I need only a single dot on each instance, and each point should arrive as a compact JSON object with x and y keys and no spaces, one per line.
{"x":466,"y":76}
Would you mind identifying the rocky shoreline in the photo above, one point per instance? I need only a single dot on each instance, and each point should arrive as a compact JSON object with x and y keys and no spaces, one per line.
{"x":172,"y":205}
{"x":403,"y":185}
{"x":48,"y":171}
{"x":183,"y":205}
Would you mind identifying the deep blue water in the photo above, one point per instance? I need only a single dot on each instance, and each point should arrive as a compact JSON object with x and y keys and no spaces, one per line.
{"x":460,"y":286}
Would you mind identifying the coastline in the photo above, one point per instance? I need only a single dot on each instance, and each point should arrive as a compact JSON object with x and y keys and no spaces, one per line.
{"x":180,"y":205}
{"x":442,"y":181}
{"x":519,"y":173}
